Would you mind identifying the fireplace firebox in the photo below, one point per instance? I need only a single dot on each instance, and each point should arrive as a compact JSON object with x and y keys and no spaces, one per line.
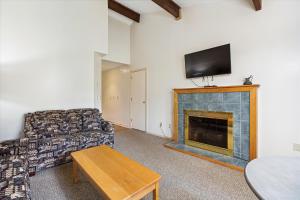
{"x":209,"y":130}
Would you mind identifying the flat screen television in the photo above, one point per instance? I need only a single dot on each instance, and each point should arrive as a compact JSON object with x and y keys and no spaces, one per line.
{"x":209,"y":62}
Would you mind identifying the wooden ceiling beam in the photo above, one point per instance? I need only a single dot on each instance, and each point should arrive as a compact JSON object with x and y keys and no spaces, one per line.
{"x":170,"y":6}
{"x":123,"y":10}
{"x":257,"y":4}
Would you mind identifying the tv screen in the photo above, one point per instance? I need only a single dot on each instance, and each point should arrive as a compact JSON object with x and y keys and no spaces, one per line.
{"x":208,"y":62}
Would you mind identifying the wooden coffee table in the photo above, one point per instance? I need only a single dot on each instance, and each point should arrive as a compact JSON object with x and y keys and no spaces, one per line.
{"x":116,"y":176}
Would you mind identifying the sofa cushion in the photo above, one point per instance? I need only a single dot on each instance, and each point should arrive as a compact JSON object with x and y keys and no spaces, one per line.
{"x":14,"y":180}
{"x":49,"y":123}
{"x":55,"y":151}
{"x":74,"y":120}
{"x":91,"y":119}
{"x":13,"y":162}
{"x":51,"y":147}
{"x":89,"y":139}
{"x":17,"y":188}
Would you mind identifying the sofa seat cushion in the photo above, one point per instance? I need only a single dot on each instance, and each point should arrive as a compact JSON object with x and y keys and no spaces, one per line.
{"x":68,"y":142}
{"x":14,"y":179}
{"x":52,"y":128}
{"x":17,"y":187}
{"x":57,"y":150}
{"x":13,"y":165}
{"x":89,"y":138}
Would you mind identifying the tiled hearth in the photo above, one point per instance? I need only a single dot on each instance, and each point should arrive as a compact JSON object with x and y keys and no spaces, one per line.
{"x":231,"y":100}
{"x":216,"y":156}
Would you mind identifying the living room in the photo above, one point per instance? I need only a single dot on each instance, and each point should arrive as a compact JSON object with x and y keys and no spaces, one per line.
{"x":77,"y":77}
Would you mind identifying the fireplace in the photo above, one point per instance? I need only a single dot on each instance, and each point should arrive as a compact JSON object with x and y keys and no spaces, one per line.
{"x":209,"y":130}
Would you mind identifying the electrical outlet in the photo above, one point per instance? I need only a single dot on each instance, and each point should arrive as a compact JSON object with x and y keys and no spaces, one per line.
{"x":296,"y":147}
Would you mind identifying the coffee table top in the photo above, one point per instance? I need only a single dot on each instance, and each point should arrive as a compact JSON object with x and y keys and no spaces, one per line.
{"x":117,"y":176}
{"x":276,"y":177}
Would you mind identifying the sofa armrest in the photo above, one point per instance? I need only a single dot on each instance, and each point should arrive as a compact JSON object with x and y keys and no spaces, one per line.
{"x":14,"y":147}
{"x":5,"y":148}
{"x":107,"y":126}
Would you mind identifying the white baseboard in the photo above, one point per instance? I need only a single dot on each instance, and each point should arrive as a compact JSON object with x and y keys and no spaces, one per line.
{"x":161,"y":136}
{"x":123,"y":125}
{"x":150,"y":133}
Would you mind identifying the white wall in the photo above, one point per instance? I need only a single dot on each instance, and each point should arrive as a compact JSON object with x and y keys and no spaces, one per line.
{"x":116,"y":95}
{"x":118,"y":40}
{"x":47,"y":56}
{"x":265,"y":44}
{"x":98,"y":80}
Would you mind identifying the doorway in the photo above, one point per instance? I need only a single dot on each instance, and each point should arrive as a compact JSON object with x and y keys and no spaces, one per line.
{"x":116,"y":93}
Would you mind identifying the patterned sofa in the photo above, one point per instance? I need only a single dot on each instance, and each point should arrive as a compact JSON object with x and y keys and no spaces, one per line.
{"x":53,"y":135}
{"x":14,"y":177}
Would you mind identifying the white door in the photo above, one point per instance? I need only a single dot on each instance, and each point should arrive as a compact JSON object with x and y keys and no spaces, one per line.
{"x":138,"y":100}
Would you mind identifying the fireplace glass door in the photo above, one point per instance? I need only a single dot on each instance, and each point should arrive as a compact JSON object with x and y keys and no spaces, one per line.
{"x":209,"y":130}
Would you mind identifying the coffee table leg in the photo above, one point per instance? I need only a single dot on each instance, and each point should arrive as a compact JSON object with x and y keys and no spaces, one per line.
{"x":75,"y":172}
{"x":156,"y":192}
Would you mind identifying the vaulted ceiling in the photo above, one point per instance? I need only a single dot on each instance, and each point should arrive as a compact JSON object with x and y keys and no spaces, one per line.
{"x":133,"y":8}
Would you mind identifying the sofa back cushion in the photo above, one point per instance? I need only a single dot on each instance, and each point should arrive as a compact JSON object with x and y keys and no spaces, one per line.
{"x":74,"y":120}
{"x":49,"y":123}
{"x":91,"y":119}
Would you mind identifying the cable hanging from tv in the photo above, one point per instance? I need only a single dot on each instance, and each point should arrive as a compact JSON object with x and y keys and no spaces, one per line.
{"x":203,"y":80}
{"x":197,"y":85}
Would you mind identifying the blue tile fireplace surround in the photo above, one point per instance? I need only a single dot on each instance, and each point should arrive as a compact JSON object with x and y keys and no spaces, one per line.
{"x":233,"y":99}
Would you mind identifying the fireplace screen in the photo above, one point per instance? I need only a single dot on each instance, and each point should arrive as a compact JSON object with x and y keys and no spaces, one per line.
{"x":209,"y":130}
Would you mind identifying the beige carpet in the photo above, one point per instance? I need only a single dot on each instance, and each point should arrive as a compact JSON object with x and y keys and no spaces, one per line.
{"x":183,"y":177}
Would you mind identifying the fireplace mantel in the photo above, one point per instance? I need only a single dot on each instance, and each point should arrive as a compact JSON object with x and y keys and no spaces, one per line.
{"x":236,"y":88}
{"x":252,"y":89}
